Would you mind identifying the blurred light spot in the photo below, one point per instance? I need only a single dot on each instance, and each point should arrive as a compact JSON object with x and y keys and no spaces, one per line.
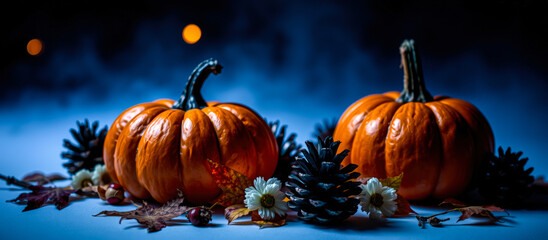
{"x":34,"y":47}
{"x":191,"y":33}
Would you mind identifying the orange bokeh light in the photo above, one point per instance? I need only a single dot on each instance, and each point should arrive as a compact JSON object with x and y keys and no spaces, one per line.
{"x":192,"y":33}
{"x":34,"y":47}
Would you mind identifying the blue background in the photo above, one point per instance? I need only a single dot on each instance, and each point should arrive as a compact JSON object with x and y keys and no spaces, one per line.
{"x":294,"y":61}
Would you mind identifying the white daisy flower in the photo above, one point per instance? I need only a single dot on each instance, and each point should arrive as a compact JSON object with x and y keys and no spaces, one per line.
{"x":266,"y":197}
{"x":377,"y":200}
{"x":100,"y":175}
{"x":82,"y":179}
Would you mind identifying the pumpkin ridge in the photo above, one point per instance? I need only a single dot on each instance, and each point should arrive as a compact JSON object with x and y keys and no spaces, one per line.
{"x":197,"y":137}
{"x":111,"y":140}
{"x":261,"y":134}
{"x":371,"y":136}
{"x":353,"y":117}
{"x":413,"y":147}
{"x":125,"y":155}
{"x":457,"y":149}
{"x":235,"y":142}
{"x":158,"y":160}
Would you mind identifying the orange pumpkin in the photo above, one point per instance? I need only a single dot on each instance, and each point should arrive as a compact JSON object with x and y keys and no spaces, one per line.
{"x":437,"y":142}
{"x":153,"y":149}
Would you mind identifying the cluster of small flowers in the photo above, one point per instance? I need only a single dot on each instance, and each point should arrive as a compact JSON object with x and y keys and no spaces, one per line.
{"x":85,"y":178}
{"x":265,"y":197}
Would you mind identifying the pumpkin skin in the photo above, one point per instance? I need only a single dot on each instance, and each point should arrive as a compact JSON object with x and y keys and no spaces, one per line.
{"x":154,"y":149}
{"x":437,"y":143}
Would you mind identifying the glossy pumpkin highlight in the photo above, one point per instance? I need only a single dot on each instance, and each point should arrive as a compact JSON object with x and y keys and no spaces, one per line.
{"x":153,"y":149}
{"x":437,"y":142}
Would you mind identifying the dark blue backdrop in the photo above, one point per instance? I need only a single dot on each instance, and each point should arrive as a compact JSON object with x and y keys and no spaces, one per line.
{"x":296,"y":61}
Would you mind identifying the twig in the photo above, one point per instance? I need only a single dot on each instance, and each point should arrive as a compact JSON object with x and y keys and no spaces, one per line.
{"x":17,"y":182}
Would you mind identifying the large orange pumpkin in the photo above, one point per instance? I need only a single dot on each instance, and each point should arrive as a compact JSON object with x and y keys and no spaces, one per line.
{"x":437,"y":142}
{"x":153,"y":149}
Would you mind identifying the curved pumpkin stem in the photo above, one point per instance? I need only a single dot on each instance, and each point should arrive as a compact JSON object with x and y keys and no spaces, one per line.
{"x":414,"y":89}
{"x":191,"y":97}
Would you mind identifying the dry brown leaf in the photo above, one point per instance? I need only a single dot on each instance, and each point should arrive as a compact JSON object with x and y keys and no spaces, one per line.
{"x":278,"y":221}
{"x":154,"y":218}
{"x":41,"y":179}
{"x":392,"y":182}
{"x":236,"y":211}
{"x":404,"y":208}
{"x":453,"y":203}
{"x":231,"y":182}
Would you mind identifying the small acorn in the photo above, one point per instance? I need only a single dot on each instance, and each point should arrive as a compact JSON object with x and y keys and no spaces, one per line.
{"x":199,"y":216}
{"x":115,"y":194}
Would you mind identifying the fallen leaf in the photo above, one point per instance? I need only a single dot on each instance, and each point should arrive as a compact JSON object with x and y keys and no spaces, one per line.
{"x":484,"y":211}
{"x":41,"y":196}
{"x":236,"y":211}
{"x":404,"y":208}
{"x":453,"y":203}
{"x":231,"y":182}
{"x":41,"y":179}
{"x":392,"y":182}
{"x":278,"y":221}
{"x":153,"y":217}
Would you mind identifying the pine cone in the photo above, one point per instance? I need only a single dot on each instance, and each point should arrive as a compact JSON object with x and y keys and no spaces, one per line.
{"x":288,"y":150}
{"x":325,"y":129}
{"x":88,"y":149}
{"x":321,"y":191}
{"x":504,"y":180}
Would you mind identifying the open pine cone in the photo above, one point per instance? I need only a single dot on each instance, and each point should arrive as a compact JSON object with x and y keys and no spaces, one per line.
{"x":504,"y":180}
{"x":321,"y":190}
{"x":88,"y":149}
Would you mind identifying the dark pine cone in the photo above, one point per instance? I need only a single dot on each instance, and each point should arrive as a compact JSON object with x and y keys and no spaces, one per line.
{"x":504,"y":180}
{"x":325,"y":129}
{"x":288,"y":150}
{"x":88,"y":149}
{"x":321,"y":190}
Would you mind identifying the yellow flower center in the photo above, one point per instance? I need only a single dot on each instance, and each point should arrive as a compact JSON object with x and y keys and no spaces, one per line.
{"x":376,"y":199}
{"x":86,"y":183}
{"x":268,"y":201}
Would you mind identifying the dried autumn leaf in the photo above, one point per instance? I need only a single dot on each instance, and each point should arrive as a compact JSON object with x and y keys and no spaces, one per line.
{"x":404,"y":208}
{"x":153,"y":217}
{"x":278,"y":220}
{"x":231,"y":182}
{"x":392,"y":182}
{"x":453,"y":202}
{"x":41,"y":179}
{"x":41,"y":196}
{"x":485,"y":211}
{"x":236,"y":211}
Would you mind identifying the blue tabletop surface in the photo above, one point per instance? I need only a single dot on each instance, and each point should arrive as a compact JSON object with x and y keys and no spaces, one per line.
{"x":76,"y":221}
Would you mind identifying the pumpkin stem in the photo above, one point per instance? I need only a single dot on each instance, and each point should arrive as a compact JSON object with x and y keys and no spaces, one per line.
{"x":191,"y":97}
{"x":414,"y":89}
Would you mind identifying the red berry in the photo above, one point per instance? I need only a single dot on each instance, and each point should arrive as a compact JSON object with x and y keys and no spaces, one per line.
{"x":199,"y":216}
{"x":115,"y":186}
